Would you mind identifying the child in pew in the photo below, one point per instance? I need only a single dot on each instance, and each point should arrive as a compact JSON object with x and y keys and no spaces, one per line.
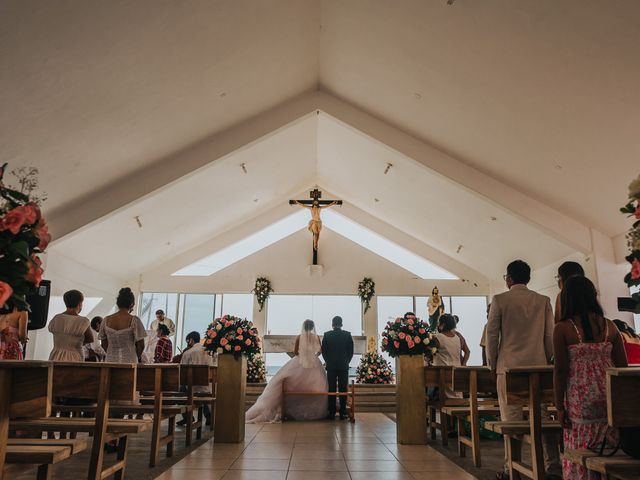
{"x":195,"y":354}
{"x":585,"y":344}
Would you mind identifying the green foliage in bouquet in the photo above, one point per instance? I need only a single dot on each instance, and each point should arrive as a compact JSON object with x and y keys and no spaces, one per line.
{"x":256,"y":369}
{"x":233,"y":335}
{"x":632,"y":208}
{"x":407,"y":337}
{"x":374,"y":368}
{"x":23,"y":237}
{"x":366,"y":291}
{"x":263,"y":290}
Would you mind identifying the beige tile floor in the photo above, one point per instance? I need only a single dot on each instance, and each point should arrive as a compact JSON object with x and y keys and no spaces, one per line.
{"x":366,"y":450}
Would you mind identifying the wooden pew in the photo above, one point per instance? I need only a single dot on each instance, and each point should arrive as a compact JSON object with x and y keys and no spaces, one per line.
{"x":193,"y":377}
{"x":25,"y":391}
{"x":527,"y":386}
{"x":103,"y":383}
{"x":471,"y":380}
{"x":623,"y":398}
{"x":351,"y":399}
{"x":440,"y":377}
{"x":157,"y":378}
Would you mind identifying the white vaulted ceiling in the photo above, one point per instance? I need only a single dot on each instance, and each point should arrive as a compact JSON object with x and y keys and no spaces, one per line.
{"x":537,"y":95}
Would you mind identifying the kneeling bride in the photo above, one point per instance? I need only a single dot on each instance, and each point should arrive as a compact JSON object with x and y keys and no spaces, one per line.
{"x":303,"y":373}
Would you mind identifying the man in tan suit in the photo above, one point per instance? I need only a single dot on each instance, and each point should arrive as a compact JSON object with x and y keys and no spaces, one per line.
{"x":519,"y":333}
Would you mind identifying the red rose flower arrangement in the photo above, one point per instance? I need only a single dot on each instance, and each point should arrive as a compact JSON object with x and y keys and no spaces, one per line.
{"x":407,"y":337}
{"x":234,"y":335}
{"x":632,"y":208}
{"x":23,"y":236}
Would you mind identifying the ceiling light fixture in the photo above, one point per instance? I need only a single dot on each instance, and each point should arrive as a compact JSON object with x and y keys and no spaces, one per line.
{"x":376,"y":200}
{"x":138,"y":221}
{"x":418,"y":96}
{"x":459,"y":248}
{"x":558,"y":167}
{"x":493,"y":219}
{"x":223,"y":94}
{"x":386,"y":170}
{"x":243,"y":166}
{"x":450,"y":2}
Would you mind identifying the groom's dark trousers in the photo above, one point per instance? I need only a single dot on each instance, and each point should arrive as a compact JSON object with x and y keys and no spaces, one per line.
{"x":337,"y":350}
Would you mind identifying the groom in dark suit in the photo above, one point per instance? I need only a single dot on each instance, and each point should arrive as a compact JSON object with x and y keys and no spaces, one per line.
{"x":337,"y":350}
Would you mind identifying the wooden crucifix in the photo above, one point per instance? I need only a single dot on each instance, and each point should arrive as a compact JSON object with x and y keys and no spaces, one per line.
{"x":315,"y":224}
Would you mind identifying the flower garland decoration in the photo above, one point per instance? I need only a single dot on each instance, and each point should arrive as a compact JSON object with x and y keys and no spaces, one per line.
{"x":407,"y":337}
{"x":24,"y":235}
{"x":232,"y":335}
{"x":262,"y":289}
{"x":366,"y":291}
{"x":256,"y":369}
{"x":632,"y":208}
{"x":375,"y":369}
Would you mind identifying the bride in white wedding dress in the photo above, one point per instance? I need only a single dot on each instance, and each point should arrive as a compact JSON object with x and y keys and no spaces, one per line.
{"x":303,"y":373}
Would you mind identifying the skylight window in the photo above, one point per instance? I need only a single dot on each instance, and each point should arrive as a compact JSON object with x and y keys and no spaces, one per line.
{"x":384,"y":247}
{"x":334,"y":221}
{"x":247,"y":246}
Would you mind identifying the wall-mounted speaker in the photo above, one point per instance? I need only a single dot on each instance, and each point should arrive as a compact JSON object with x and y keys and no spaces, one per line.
{"x":39,"y":303}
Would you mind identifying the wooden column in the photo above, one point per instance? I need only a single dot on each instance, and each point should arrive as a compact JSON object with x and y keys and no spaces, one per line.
{"x":411,"y":421}
{"x":230,"y":409}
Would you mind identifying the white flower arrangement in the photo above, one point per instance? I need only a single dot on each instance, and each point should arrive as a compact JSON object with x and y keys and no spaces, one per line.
{"x":366,"y":291}
{"x":262,"y":289}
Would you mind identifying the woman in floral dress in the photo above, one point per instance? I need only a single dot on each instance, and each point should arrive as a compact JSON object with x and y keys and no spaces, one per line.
{"x":13,"y":335}
{"x":585,"y":345}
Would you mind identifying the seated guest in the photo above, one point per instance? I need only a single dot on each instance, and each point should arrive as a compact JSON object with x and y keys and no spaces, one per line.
{"x":195,"y":354}
{"x":13,"y":334}
{"x":70,"y":330}
{"x":164,"y":347}
{"x":483,"y":339}
{"x":585,"y":344}
{"x":631,"y":342}
{"x":565,"y":272}
{"x":93,"y":352}
{"x":122,"y":334}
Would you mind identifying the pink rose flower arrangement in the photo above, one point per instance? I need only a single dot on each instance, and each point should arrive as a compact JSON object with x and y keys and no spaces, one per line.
{"x":407,"y":337}
{"x":632,"y":209}
{"x":635,"y":269}
{"x":23,"y":237}
{"x":234,"y":335}
{"x":374,"y":369}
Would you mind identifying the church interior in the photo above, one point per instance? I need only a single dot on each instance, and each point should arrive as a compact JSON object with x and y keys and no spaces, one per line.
{"x":232,"y":168}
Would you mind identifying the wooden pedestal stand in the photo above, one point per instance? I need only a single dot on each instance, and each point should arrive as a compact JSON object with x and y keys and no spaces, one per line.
{"x":230,"y":409}
{"x":411,"y":420}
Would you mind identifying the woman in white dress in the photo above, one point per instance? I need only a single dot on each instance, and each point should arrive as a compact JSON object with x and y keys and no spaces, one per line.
{"x":70,"y":330}
{"x":303,"y":373}
{"x":452,"y":349}
{"x":122,"y":334}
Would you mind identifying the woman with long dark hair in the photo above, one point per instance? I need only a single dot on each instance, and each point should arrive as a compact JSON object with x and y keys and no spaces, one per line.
{"x":585,"y":344}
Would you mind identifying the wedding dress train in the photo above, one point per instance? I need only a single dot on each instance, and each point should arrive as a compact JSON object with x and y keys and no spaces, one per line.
{"x":303,"y":373}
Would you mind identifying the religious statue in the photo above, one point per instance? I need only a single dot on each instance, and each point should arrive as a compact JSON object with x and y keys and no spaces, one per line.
{"x":315,"y":224}
{"x":435,"y":308}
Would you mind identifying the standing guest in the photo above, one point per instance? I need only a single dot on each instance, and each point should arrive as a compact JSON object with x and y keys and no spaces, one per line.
{"x":13,"y":335}
{"x":452,"y":349}
{"x":631,"y":341}
{"x":565,"y":272}
{"x":337,"y":351}
{"x":519,"y":333}
{"x":195,"y":354}
{"x":585,"y":344}
{"x":483,"y":339}
{"x":122,"y":334}
{"x":164,"y":347}
{"x":70,"y":330}
{"x":93,"y":352}
{"x":162,"y":320}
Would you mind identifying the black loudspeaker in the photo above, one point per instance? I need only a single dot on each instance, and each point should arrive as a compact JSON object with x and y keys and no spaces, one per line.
{"x":39,"y":303}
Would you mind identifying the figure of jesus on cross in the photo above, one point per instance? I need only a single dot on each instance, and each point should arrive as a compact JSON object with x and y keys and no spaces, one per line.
{"x":315,"y":224}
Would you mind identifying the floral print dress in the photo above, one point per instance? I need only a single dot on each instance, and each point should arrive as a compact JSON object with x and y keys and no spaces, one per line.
{"x":586,"y":401}
{"x":10,"y":347}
